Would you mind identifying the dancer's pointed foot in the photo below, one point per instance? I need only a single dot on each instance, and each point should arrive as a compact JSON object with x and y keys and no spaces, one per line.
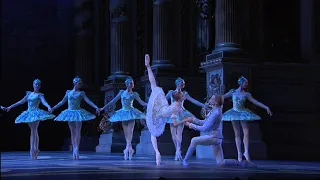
{"x":32,"y":154}
{"x":125,"y":154}
{"x":178,"y":156}
{"x":158,"y":158}
{"x":239,"y":157}
{"x":185,"y":163}
{"x":36,"y":153}
{"x":247,"y":156}
{"x":131,"y":151}
{"x":76,"y":154}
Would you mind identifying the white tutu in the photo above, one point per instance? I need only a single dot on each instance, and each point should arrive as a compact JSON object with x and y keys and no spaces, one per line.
{"x":156,"y":117}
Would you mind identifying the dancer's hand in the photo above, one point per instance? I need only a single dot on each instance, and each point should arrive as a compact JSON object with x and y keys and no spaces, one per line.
{"x":269,"y":111}
{"x":3,"y":108}
{"x":188,"y":119}
{"x":187,"y":124}
{"x":49,"y":110}
{"x":101,"y":109}
{"x":147,"y":60}
{"x":98,"y":111}
{"x":8,"y":109}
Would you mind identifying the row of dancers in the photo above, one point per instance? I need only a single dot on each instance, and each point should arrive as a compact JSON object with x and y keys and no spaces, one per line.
{"x":159,"y":113}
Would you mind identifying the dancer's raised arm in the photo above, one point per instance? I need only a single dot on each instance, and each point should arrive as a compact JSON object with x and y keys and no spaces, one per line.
{"x":152,"y":80}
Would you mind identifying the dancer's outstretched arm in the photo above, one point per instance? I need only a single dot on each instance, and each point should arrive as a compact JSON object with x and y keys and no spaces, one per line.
{"x":259,"y":104}
{"x":44,"y":102}
{"x":142,"y":103}
{"x":64,"y":100}
{"x":228,"y":94}
{"x":88,"y":101}
{"x":22,"y":101}
{"x":152,"y":80}
{"x":113,"y":101}
{"x":189,"y":98}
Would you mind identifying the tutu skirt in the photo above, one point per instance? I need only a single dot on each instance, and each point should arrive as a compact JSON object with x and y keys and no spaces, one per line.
{"x":127,"y":115}
{"x":78,"y":115}
{"x":33,"y":115}
{"x":240,"y":115}
{"x":185,"y":114}
{"x":157,"y":116}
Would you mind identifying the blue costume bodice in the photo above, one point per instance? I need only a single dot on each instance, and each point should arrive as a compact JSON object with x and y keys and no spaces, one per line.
{"x":74,"y":100}
{"x":127,"y":100}
{"x":238,"y":100}
{"x":33,"y":100}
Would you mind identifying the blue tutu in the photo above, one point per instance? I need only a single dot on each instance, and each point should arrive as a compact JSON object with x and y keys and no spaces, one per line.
{"x":127,"y":115}
{"x":33,"y":113}
{"x":75,"y":115}
{"x":239,"y":112}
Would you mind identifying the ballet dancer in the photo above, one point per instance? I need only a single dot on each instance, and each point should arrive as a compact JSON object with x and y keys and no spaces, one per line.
{"x":212,"y":128}
{"x":176,"y":131}
{"x":74,"y":115}
{"x":127,"y":114}
{"x":33,"y":115}
{"x":240,"y":115}
{"x":159,"y":110}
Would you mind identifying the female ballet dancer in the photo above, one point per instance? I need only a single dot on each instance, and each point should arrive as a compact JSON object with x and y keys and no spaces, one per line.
{"x":176,"y":131}
{"x":127,"y":114}
{"x":240,"y":115}
{"x":33,"y":115}
{"x":158,"y":109}
{"x":74,"y":115}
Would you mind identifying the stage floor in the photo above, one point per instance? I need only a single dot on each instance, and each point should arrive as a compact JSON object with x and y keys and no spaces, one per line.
{"x":59,"y":165}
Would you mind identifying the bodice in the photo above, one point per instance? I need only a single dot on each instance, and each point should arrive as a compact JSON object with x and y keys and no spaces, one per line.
{"x":33,"y":100}
{"x":173,"y":108}
{"x":127,"y":100}
{"x":239,"y":100}
{"x":74,"y":100}
{"x":173,"y":100}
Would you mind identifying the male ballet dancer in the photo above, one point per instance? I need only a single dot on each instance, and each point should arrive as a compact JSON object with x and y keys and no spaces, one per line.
{"x":212,"y":128}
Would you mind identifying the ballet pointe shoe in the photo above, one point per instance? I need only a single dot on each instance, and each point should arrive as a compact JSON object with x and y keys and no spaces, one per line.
{"x":158,"y":159}
{"x":32,"y":156}
{"x":36,"y":154}
{"x":76,"y":154}
{"x":125,"y":154}
{"x":178,"y":156}
{"x":131,"y":151}
{"x":239,"y":157}
{"x":247,"y":156}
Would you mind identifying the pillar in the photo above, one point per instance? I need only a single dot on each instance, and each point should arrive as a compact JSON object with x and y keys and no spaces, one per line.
{"x":163,"y":38}
{"x":226,"y":31}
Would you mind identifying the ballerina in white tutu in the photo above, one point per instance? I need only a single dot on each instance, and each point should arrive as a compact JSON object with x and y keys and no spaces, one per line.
{"x":33,"y":115}
{"x":74,"y":115}
{"x":158,"y":109}
{"x":127,"y":114}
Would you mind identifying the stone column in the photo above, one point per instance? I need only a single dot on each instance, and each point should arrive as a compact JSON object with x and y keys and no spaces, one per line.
{"x":119,"y":38}
{"x":162,"y":32}
{"x":83,"y":23}
{"x":226,"y":31}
